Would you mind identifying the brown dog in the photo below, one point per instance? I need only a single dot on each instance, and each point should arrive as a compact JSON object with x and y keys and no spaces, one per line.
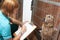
{"x":48,"y":28}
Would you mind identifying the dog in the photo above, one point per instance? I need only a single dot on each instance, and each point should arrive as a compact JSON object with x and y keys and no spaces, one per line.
{"x":48,"y":29}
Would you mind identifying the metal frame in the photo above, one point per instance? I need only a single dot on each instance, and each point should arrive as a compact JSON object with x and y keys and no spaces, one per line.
{"x":33,"y":10}
{"x":51,"y":2}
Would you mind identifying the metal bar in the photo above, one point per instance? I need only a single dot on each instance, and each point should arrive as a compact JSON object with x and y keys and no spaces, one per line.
{"x":42,"y":9}
{"x":50,"y":2}
{"x":33,"y":9}
{"x":41,"y":19}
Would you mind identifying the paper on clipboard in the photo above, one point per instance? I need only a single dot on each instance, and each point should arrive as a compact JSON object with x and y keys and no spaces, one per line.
{"x":29,"y":28}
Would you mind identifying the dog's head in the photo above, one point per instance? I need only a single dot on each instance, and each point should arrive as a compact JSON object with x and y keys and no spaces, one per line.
{"x":49,"y":20}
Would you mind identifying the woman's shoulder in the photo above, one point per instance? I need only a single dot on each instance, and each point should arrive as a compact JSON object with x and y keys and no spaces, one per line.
{"x":3,"y":19}
{"x":1,"y":13}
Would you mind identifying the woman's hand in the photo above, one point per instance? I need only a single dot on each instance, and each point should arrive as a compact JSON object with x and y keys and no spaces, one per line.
{"x":23,"y":28}
{"x":17,"y":37}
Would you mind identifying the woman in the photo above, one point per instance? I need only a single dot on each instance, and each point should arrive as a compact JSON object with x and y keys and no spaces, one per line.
{"x":7,"y":9}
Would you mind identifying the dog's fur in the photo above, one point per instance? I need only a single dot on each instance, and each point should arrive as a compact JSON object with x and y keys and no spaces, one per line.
{"x":48,"y":28}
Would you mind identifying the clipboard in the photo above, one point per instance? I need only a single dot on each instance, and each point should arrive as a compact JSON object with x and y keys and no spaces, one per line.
{"x":30,"y":27}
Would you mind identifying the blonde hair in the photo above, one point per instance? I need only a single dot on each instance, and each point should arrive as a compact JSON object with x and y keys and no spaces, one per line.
{"x":10,"y":5}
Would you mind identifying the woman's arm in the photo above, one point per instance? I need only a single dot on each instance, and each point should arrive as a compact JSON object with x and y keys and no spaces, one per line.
{"x":16,"y":21}
{"x":15,"y":38}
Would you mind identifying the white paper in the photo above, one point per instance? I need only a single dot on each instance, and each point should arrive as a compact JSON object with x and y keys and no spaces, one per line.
{"x":18,"y":31}
{"x":29,"y":28}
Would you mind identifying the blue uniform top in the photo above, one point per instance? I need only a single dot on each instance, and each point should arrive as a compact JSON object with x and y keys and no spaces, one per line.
{"x":5,"y":30}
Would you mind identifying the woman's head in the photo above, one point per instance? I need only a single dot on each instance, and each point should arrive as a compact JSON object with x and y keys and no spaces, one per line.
{"x":10,"y":5}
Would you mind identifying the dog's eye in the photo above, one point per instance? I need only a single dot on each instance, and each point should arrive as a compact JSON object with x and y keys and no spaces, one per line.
{"x":49,"y":16}
{"x":46,"y":23}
